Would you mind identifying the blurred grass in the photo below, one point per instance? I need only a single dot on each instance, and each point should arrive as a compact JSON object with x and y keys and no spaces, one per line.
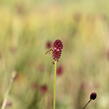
{"x":83,"y":26}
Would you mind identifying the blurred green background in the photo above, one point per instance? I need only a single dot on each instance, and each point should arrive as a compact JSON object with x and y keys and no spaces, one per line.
{"x":25,"y":28}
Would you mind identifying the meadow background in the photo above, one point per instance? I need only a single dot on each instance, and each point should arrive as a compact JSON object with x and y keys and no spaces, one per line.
{"x":25,"y":28}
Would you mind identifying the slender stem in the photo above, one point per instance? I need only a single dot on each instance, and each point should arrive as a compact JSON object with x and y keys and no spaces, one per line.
{"x":86,"y":104}
{"x":54,"y":93}
{"x":8,"y":91}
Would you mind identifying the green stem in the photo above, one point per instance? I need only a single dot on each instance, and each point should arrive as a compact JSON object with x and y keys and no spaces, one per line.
{"x":54,"y":93}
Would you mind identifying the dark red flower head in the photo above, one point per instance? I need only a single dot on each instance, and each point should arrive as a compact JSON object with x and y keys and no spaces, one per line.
{"x":93,"y":96}
{"x":43,"y":89}
{"x":57,"y":49}
{"x":57,"y":44}
{"x":59,"y":70}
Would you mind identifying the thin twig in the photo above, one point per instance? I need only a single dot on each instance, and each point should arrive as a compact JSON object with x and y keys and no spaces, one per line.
{"x":86,"y":104}
{"x":8,"y":90}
